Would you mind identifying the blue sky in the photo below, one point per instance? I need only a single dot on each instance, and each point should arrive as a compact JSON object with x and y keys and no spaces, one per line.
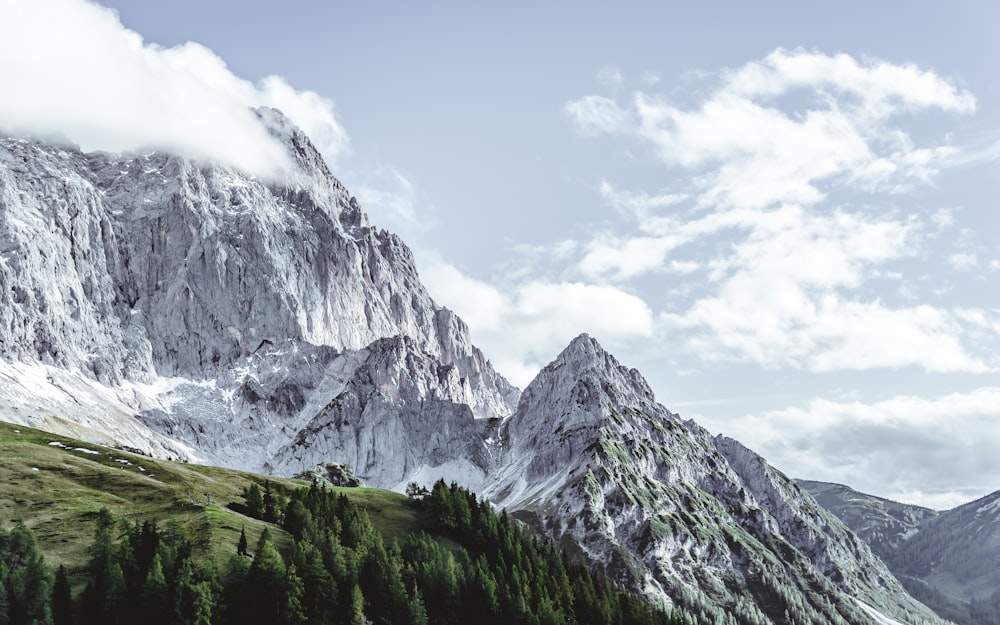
{"x":783,"y":214}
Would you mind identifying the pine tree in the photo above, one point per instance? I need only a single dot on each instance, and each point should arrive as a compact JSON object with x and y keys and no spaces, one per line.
{"x":155,"y":595}
{"x":241,"y":546}
{"x":292,"y":610}
{"x":4,"y":590}
{"x":358,"y":607}
{"x":203,"y":602}
{"x":62,"y":602}
{"x":255,"y":502}
{"x":270,"y":513}
{"x":266,"y":581}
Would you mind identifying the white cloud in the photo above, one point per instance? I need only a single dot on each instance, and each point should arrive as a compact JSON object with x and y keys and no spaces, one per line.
{"x":963,"y":261}
{"x":760,"y":153}
{"x":880,"y":87}
{"x":937,"y":451}
{"x":780,"y":265}
{"x":70,"y":69}
{"x":523,"y":327}
{"x":595,"y":115}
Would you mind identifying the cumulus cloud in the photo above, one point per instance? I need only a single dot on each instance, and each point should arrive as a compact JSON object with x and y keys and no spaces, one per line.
{"x":524,"y":326}
{"x":71,"y":70}
{"x":763,"y":161}
{"x":758,"y":150}
{"x":934,"y":451}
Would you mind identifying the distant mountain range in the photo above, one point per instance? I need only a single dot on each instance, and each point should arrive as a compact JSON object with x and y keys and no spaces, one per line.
{"x":184,"y":309}
{"x":949,"y":560}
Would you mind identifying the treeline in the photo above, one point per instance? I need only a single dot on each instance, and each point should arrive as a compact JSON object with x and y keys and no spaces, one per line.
{"x":338,"y":571}
{"x":503,"y":574}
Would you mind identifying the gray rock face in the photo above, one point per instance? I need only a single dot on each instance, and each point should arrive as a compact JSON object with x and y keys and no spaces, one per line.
{"x":695,"y":521}
{"x":139,"y":268}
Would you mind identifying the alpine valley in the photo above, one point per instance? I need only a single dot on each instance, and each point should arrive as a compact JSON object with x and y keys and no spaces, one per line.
{"x":186,"y":310}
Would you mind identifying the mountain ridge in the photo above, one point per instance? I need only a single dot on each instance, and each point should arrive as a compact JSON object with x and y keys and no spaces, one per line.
{"x":697,"y":521}
{"x":948,"y":559}
{"x":267,"y":325}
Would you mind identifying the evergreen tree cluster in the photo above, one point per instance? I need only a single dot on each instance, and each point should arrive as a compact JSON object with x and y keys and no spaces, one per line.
{"x":503,"y":574}
{"x":25,"y":581}
{"x":339,"y":571}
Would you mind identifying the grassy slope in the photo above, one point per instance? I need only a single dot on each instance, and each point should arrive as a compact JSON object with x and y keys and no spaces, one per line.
{"x":60,"y":499}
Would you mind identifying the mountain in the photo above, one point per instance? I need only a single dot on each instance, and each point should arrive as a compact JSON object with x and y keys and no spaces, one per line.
{"x":228,"y":312}
{"x":950,"y":560}
{"x":693,"y":520}
{"x":184,"y":309}
{"x":882,"y":523}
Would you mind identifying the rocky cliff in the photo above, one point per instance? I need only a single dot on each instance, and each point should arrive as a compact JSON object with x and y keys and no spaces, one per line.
{"x":697,"y":521}
{"x":221,"y":308}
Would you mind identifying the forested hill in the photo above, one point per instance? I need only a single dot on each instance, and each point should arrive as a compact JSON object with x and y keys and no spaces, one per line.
{"x":277,"y":552}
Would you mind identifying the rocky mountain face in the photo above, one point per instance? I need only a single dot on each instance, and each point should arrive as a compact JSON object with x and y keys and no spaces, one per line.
{"x":186,"y":309}
{"x":697,"y":521}
{"x":949,"y":560}
{"x":228,"y":312}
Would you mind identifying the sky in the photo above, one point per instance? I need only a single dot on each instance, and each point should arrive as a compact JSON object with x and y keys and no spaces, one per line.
{"x":783,"y":214}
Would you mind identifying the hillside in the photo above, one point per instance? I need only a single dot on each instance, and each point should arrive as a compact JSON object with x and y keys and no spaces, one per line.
{"x":882,"y":523}
{"x":948,"y":560}
{"x":135,"y":541}
{"x":57,"y":485}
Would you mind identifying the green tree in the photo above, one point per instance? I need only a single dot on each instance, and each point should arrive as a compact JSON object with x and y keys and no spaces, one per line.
{"x":358,"y":607}
{"x":241,"y":545}
{"x":155,"y":595}
{"x":266,"y":581}
{"x":202,"y":604}
{"x":255,"y":501}
{"x":4,"y":593}
{"x":28,"y":579}
{"x":62,"y":601}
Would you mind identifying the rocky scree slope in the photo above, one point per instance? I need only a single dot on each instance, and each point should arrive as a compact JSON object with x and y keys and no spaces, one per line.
{"x":202,"y":299}
{"x":696,"y":521}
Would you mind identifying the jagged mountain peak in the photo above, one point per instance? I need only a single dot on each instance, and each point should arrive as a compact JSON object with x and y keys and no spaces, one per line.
{"x":278,"y":330}
{"x":693,"y":520}
{"x":306,"y":157}
{"x":591,"y":375}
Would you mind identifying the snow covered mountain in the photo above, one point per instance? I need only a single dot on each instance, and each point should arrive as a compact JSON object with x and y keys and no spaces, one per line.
{"x":189,"y":310}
